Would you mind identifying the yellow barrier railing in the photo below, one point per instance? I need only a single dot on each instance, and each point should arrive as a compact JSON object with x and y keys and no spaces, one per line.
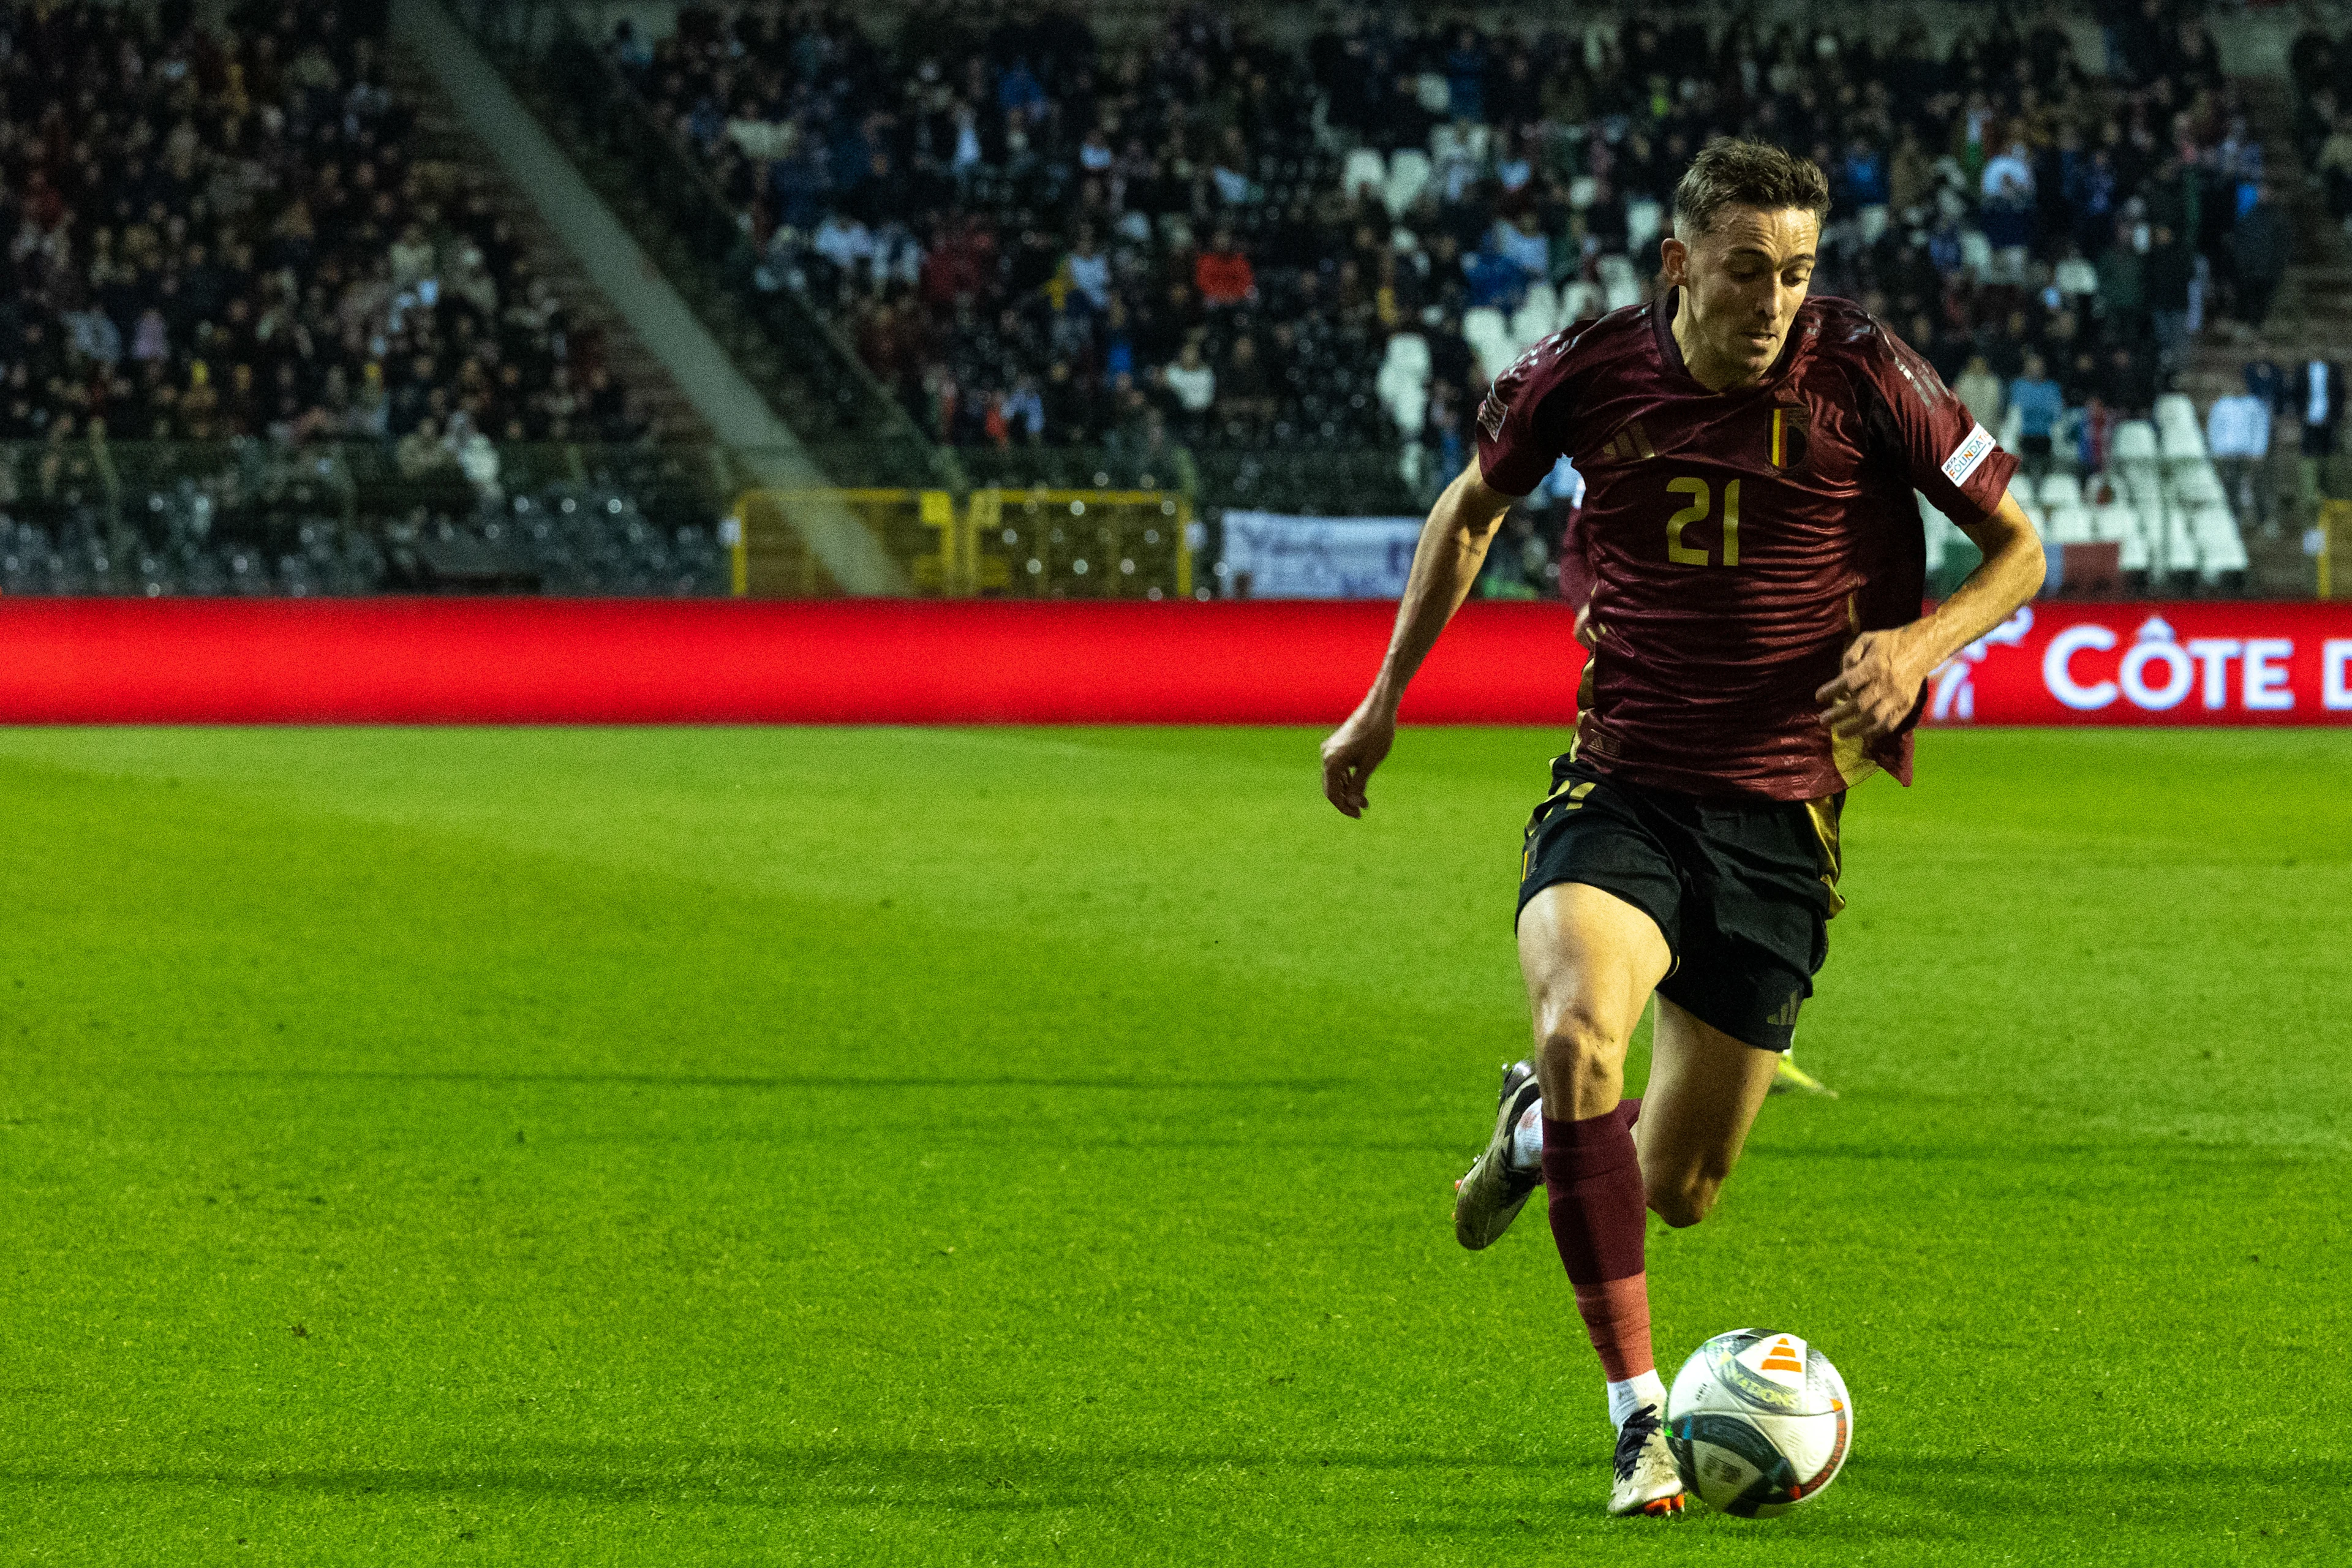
{"x":1009,"y":544}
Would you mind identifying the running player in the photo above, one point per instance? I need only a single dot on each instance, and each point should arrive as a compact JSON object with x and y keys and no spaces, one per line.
{"x":1756,"y":648}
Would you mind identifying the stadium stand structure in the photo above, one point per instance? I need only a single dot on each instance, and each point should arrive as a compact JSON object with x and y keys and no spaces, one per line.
{"x":1262,"y":259}
{"x":2304,"y":120}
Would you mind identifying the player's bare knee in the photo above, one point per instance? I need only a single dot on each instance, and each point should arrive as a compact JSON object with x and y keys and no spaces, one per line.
{"x":1681,"y":1207}
{"x":1684,"y":1198}
{"x":1579,"y":1060}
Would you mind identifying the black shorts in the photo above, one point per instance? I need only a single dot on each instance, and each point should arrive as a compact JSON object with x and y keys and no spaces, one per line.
{"x":1742,"y":889}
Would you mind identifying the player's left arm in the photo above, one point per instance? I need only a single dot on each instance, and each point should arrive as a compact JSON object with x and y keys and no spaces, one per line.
{"x":1885,"y":671}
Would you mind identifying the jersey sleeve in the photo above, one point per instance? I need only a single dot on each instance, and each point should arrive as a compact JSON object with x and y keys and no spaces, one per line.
{"x":1951,"y":459}
{"x":1522,"y":422}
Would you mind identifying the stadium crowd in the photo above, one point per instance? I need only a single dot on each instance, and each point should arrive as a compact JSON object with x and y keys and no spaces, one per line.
{"x":222,"y":252}
{"x":1036,"y":236}
{"x":215,"y":234}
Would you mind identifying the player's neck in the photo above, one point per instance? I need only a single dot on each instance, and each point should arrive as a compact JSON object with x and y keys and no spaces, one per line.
{"x":1703,"y":367}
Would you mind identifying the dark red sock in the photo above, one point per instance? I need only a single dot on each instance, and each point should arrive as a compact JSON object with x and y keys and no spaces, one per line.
{"x":1593,"y":1179}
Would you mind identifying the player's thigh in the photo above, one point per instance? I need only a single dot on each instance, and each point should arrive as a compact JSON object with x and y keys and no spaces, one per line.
{"x":1704,"y":1090}
{"x":1590,"y":960}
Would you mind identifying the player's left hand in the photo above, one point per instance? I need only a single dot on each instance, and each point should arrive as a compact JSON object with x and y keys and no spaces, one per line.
{"x":1877,"y":690}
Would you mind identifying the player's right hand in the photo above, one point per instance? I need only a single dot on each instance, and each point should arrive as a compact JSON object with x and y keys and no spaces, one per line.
{"x":1352,"y":751}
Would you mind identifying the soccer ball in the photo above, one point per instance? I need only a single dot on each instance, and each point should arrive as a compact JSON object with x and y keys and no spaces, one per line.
{"x":1758,"y":1421}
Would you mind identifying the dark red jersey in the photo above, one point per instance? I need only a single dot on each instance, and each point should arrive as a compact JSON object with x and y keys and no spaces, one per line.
{"x":1738,"y":540}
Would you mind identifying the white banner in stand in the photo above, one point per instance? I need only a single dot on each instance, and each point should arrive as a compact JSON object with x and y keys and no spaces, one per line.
{"x":1286,"y":557}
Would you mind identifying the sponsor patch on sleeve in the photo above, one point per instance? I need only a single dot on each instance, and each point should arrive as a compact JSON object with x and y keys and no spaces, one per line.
{"x":1969,"y":456}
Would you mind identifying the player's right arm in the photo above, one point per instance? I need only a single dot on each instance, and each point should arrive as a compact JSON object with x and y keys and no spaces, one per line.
{"x":1445,"y":565}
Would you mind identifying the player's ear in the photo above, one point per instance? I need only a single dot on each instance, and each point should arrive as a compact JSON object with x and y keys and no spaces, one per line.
{"x":1673,"y":255}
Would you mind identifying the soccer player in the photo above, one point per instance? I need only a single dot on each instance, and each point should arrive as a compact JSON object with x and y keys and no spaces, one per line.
{"x":1757,"y":649}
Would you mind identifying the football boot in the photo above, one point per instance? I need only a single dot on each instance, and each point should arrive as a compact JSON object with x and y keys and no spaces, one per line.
{"x":1646,"y":1480}
{"x":1489,"y":1198}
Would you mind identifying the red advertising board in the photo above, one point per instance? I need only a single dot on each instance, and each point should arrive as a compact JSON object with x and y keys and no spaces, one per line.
{"x":552,"y":661}
{"x":2207,"y":662}
{"x":839,"y":661}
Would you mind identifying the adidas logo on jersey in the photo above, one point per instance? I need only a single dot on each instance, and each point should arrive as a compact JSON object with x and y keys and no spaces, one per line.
{"x":1630,"y":445}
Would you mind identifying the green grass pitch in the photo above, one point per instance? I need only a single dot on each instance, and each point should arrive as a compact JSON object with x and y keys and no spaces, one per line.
{"x":1019,"y":1146}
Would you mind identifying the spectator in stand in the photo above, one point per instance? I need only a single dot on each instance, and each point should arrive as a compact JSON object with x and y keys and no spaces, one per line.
{"x":1980,"y":388}
{"x":1222,"y":275}
{"x":2333,"y":164}
{"x":2315,"y":396}
{"x":247,"y":248}
{"x":1024,"y":412}
{"x":422,"y":454}
{"x":2264,"y":379}
{"x":2008,"y":187}
{"x":2238,"y":438}
{"x":1089,"y":268}
{"x":2122,"y":287}
{"x":1444,"y":435}
{"x":2094,"y":429}
{"x":1539,"y":142}
{"x":1497,"y":282}
{"x":2128,"y":382}
{"x":1191,"y":381}
{"x":2038,"y":403}
{"x":2258,"y":247}
{"x":1245,"y":392}
{"x":1522,"y":241}
{"x":2171,"y":271}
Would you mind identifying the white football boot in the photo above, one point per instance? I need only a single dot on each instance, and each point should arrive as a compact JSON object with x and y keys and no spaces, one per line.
{"x":1490,"y":1198}
{"x":1647,"y":1482}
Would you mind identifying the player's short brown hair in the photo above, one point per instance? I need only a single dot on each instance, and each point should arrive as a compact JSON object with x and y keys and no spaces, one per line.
{"x":1729,"y":173}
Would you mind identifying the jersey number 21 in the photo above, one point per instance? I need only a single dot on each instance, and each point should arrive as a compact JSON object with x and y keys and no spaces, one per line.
{"x":1702,"y":502}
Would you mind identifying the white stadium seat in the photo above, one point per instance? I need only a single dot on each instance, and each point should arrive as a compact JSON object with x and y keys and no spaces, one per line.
{"x":2134,"y":441}
{"x":1408,"y":174}
{"x":1489,"y":338}
{"x":2181,"y":443}
{"x":1943,"y":537}
{"x":2060,"y":490}
{"x":2220,"y":547}
{"x":2180,"y":552}
{"x":1408,"y":351}
{"x":1408,"y":403}
{"x":1459,"y":139}
{"x":1645,"y":220}
{"x":2199,"y":485}
{"x":1365,"y":170}
{"x":1577,"y":300}
{"x":1620,"y":285}
{"x":1533,"y":322}
{"x":2067,"y":525}
{"x":2117,"y":522}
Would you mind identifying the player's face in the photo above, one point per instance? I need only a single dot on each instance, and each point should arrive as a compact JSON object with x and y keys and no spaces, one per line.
{"x":1742,"y":281}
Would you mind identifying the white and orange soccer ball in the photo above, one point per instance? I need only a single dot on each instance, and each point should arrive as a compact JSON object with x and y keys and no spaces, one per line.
{"x":1758,"y":1422}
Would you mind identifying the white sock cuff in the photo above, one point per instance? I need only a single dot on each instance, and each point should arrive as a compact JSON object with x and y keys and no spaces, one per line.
{"x":1526,"y":1139}
{"x":1626,"y":1398}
